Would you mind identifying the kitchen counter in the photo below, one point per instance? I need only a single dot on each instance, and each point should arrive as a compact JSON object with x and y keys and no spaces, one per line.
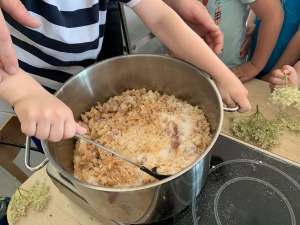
{"x":61,"y":210}
{"x":259,"y":94}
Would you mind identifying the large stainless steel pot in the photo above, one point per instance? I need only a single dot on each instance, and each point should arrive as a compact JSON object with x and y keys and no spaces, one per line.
{"x":165,"y":198}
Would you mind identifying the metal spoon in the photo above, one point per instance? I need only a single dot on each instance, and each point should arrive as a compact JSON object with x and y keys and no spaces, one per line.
{"x":151,"y":172}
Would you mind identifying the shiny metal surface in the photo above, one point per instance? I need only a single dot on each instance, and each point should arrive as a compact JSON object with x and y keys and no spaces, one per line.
{"x":162,"y":199}
{"x":138,"y":38}
{"x":27,"y":157}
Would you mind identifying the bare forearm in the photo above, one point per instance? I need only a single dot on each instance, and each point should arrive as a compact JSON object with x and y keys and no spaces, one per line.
{"x":265,"y":43}
{"x":268,"y":31}
{"x":291,"y":53}
{"x":185,"y":43}
{"x":18,"y":86}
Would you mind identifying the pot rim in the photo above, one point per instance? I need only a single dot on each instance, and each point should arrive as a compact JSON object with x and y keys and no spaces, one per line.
{"x":72,"y":178}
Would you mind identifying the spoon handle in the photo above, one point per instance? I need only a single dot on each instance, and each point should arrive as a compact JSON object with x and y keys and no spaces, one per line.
{"x":145,"y":169}
{"x":106,"y":149}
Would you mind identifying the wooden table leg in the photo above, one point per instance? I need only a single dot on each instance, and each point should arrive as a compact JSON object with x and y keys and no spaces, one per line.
{"x":11,"y":132}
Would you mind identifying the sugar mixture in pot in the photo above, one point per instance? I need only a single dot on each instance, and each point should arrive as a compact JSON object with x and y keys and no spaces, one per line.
{"x":151,"y":129}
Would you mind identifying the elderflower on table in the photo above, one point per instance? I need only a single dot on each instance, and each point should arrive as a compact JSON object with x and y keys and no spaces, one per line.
{"x":257,"y":129}
{"x":36,"y":197}
{"x":264,"y":132}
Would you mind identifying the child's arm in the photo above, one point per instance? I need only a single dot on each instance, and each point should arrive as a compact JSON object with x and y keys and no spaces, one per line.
{"x":271,"y":15}
{"x":41,"y":114}
{"x":196,"y":16}
{"x":184,"y":42}
{"x":290,"y":55}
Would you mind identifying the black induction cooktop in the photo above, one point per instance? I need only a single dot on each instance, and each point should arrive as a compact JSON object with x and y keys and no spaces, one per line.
{"x":245,"y":187}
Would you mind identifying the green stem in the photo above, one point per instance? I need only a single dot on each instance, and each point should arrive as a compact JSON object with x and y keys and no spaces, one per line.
{"x":257,"y":114}
{"x":23,"y":189}
{"x":288,"y":80}
{"x":20,"y":189}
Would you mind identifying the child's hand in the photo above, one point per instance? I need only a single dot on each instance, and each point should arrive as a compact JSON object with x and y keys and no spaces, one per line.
{"x":233,"y":92}
{"x":44,"y":116}
{"x":245,"y":71}
{"x":41,"y":114}
{"x":196,"y":16}
{"x":16,"y":9}
{"x":277,"y":77}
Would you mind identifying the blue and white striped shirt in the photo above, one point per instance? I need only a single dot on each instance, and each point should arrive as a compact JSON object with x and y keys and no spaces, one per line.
{"x":69,"y":39}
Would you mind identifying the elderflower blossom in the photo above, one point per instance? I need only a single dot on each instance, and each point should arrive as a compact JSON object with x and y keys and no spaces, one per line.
{"x":261,"y":131}
{"x":289,"y":95}
{"x":286,"y":96}
{"x":36,"y":197}
{"x":286,"y":122}
{"x":265,"y":133}
{"x":19,"y":205}
{"x":39,"y":195}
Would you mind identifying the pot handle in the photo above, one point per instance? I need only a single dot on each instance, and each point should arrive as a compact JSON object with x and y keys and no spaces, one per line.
{"x":27,"y":157}
{"x":234,"y":109}
{"x":27,"y":150}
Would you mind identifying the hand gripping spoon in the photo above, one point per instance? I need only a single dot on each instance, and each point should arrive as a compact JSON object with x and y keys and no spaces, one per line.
{"x":151,"y":172}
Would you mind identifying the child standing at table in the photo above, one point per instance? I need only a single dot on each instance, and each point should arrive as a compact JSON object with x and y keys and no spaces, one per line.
{"x":231,"y":16}
{"x":287,"y":49}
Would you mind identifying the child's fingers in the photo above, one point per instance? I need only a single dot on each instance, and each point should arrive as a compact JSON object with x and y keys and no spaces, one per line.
{"x":28,"y":128}
{"x":278,"y":74}
{"x":56,"y":131}
{"x":80,"y":130}
{"x":275,"y":83}
{"x":43,"y":130}
{"x":18,"y":11}
{"x":69,"y":129}
{"x":8,"y":58}
{"x":244,"y":103}
{"x":241,"y":100}
{"x":287,"y":69}
{"x":277,"y":80}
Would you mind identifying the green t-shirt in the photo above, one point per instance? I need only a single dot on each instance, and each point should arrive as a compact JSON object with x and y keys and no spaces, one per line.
{"x":231,"y":17}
